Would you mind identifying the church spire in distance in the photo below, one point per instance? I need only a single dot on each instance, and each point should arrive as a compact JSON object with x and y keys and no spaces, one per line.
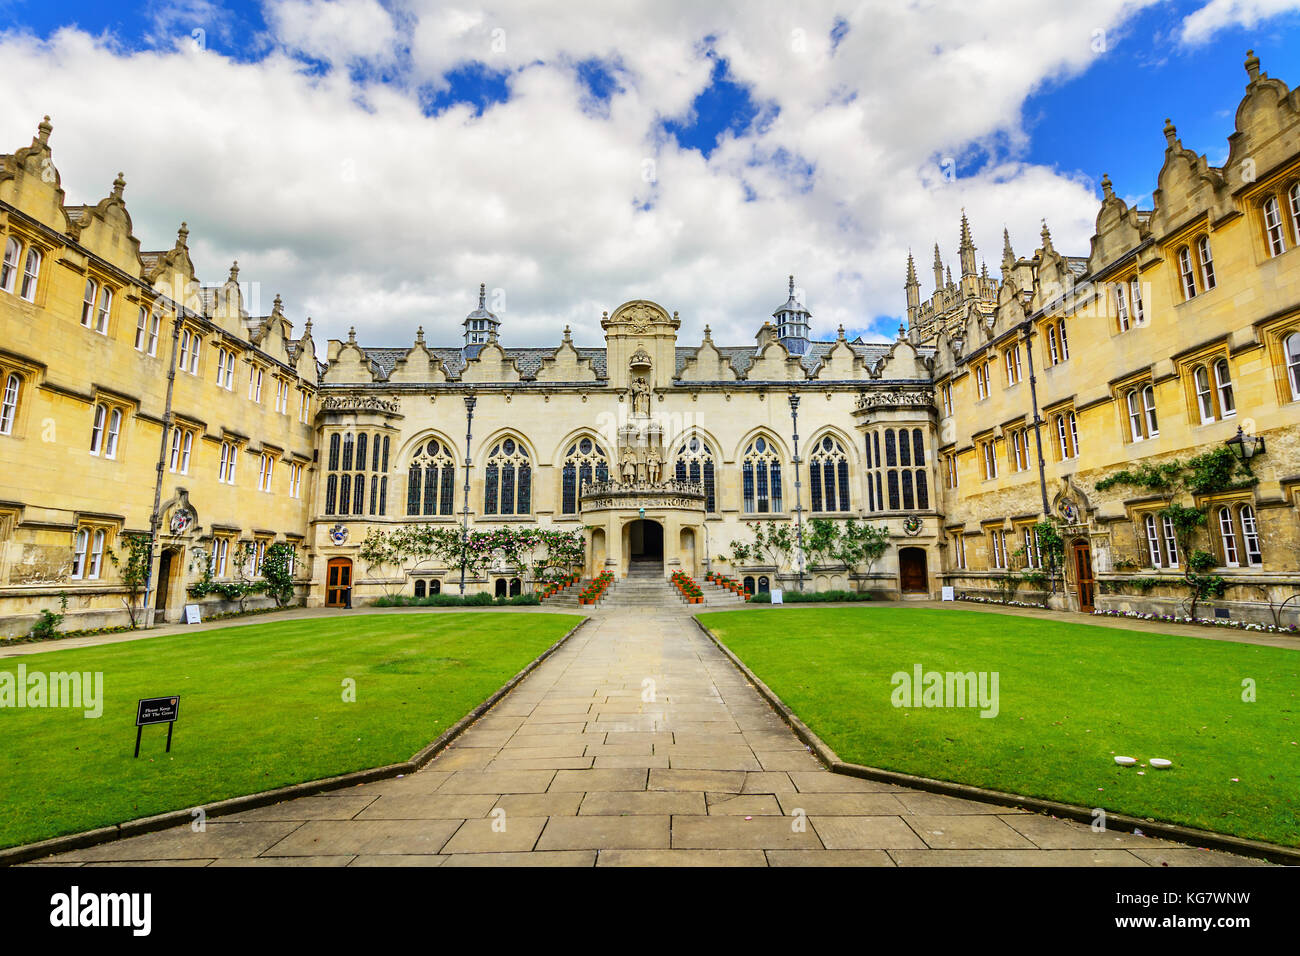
{"x":967,"y":249}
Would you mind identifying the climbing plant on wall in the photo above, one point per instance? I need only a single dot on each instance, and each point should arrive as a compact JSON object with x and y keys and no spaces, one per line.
{"x":1213,"y":472}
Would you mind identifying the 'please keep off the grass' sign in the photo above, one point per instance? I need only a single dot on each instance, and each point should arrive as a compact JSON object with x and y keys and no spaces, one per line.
{"x":156,"y":710}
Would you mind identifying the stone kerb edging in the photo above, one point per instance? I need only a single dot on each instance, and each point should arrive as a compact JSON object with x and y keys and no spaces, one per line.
{"x":1241,"y":846}
{"x":162,"y":821}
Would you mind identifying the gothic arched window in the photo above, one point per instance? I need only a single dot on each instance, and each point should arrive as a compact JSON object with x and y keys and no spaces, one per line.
{"x":760,"y":472}
{"x":898,"y":479}
{"x":828,"y":468}
{"x":430,"y":480}
{"x":508,"y":481}
{"x":695,"y":463}
{"x":584,"y":462}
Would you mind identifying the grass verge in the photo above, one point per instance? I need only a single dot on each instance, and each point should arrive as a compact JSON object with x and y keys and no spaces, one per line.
{"x":262,"y":706}
{"x":1070,"y":698}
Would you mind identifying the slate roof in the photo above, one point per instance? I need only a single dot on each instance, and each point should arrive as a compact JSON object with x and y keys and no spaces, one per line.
{"x":208,"y":298}
{"x":1078,"y":265}
{"x":529,"y":360}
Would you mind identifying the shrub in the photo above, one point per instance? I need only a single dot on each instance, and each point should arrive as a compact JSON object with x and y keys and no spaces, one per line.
{"x":811,"y":597}
{"x":483,"y":599}
{"x":47,"y":625}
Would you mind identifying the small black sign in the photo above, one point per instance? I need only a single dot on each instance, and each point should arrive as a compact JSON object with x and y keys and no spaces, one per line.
{"x":157,"y":710}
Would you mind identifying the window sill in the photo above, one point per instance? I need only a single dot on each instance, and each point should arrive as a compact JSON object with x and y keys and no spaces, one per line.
{"x":1199,"y":295}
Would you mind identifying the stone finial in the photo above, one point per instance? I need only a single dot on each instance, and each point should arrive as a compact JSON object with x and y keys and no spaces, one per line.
{"x":277,"y":305}
{"x":1171,"y":133}
{"x":568,"y":335}
{"x":840,"y":333}
{"x":492,"y":336}
{"x":708,"y":334}
{"x":182,"y":235}
{"x":902,"y":332}
{"x":352,"y":335}
{"x":234,"y":271}
{"x":482,"y":294}
{"x":1252,"y":66}
{"x":306,"y":329}
{"x":948,"y":275}
{"x":44,"y":128}
{"x":911,"y":271}
{"x":792,"y":286}
{"x":966,"y":239}
{"x":119,"y":184}
{"x":1008,"y":254}
{"x":1047,"y":237}
{"x":1107,"y":187}
{"x":419,"y":336}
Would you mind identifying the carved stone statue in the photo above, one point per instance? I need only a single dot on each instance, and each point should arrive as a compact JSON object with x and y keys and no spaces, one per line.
{"x":654,"y":467}
{"x":640,"y":396}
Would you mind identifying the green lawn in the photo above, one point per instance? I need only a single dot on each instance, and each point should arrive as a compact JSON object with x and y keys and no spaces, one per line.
{"x":261,"y":707}
{"x":1071,"y":697}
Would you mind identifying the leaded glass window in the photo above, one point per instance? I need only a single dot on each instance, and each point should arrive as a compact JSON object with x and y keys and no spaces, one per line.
{"x":430,"y":479}
{"x":695,"y":463}
{"x":584,"y":462}
{"x":507,"y":489}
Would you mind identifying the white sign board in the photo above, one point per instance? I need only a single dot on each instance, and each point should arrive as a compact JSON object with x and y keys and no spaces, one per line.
{"x":192,"y":614}
{"x":777,"y":596}
{"x":948,"y":594}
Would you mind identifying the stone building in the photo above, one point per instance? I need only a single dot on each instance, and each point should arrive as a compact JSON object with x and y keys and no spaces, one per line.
{"x":136,"y":397}
{"x":1178,"y":329}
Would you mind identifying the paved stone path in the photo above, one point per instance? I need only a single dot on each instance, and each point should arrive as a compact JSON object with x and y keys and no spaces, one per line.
{"x":577,"y":767}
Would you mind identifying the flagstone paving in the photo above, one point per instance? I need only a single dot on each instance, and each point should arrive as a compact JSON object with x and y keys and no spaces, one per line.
{"x":636,"y":744}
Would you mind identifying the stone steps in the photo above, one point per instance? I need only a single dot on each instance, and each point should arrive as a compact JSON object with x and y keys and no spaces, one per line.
{"x":646,"y":586}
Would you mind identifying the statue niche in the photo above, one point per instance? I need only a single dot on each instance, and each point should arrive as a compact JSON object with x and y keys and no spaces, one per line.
{"x":640,"y":439}
{"x":640,"y":397}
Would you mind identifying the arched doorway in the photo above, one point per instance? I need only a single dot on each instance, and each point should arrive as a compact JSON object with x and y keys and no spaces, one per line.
{"x":338,"y":583}
{"x":912,"y":575}
{"x":167,"y":563}
{"x":645,"y":543}
{"x":1084,"y":582}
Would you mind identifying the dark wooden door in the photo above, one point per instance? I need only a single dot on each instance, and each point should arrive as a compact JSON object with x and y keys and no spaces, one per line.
{"x":164,"y":585}
{"x":911,"y":570}
{"x":1083,"y":575}
{"x":338,"y":578}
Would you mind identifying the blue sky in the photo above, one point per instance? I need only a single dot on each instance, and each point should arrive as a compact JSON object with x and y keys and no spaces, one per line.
{"x":672,"y":153}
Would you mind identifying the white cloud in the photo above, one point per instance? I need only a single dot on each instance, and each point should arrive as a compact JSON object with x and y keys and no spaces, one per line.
{"x":339,"y":31}
{"x":361,"y":210}
{"x":1200,"y":25}
{"x":187,"y":21}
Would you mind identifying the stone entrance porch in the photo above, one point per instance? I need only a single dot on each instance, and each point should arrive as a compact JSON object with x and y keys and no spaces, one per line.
{"x":644,"y":522}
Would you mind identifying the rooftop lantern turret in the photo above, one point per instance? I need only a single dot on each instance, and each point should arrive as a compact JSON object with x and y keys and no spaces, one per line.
{"x":481,"y":326}
{"x":792,"y":324}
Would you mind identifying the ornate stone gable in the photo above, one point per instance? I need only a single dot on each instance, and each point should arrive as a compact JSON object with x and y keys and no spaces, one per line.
{"x":644,"y":329}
